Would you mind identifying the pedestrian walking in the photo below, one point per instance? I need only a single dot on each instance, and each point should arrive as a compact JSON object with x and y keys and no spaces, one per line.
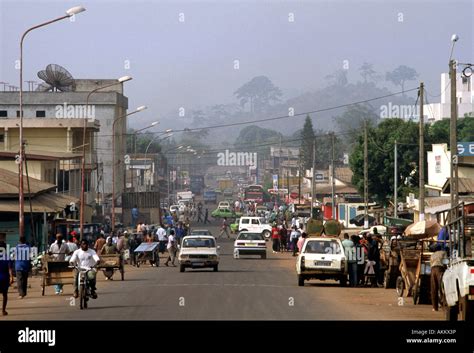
{"x":71,"y":246}
{"x":6,"y":276}
{"x":351,"y":259}
{"x":283,"y":238}
{"x":300,"y":242}
{"x":199,"y":220}
{"x":206,"y":216}
{"x":58,"y":251}
{"x":275,"y":238}
{"x":161,"y":232}
{"x":225,"y":228}
{"x":172,"y":248}
{"x":295,"y":234}
{"x":437,"y":271}
{"x":135,"y":215}
{"x":22,"y":266}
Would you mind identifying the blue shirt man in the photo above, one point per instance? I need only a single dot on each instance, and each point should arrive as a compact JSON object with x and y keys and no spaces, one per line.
{"x":22,"y":266}
{"x":134,"y":216}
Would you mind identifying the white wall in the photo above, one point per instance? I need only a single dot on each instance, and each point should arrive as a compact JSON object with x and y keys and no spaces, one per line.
{"x":438,"y":164}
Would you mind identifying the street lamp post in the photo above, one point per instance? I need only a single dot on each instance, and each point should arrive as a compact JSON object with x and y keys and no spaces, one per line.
{"x":71,"y":12}
{"x":83,"y":162}
{"x":139,"y":109}
{"x":135,"y":133}
{"x":169,"y":132}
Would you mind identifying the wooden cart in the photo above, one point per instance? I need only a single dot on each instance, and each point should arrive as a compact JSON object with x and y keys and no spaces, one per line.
{"x":415,"y":271}
{"x":112,"y":262}
{"x":55,"y":272}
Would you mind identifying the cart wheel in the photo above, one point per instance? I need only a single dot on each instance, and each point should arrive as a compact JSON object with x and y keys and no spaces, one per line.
{"x":181,"y":268}
{"x":400,"y":285}
{"x":138,"y":263}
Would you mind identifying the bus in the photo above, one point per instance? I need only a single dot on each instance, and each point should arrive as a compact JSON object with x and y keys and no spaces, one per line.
{"x":254,"y":193}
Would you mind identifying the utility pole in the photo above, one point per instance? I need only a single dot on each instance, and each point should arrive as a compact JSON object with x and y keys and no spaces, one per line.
{"x":366,"y":178}
{"x":453,"y":139}
{"x":313,"y":181}
{"x":395,"y":181}
{"x":333,"y":181}
{"x":421,"y":167}
{"x":299,"y":183}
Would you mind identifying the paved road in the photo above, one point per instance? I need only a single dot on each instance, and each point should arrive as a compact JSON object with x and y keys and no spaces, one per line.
{"x":244,"y":289}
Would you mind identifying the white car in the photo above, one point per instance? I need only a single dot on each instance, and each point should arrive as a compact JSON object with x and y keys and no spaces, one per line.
{"x":249,"y":243}
{"x":198,"y":251}
{"x":224,"y":204}
{"x":321,"y":258}
{"x":255,"y":225}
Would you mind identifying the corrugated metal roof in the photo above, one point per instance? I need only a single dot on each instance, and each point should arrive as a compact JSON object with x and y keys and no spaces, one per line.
{"x":466,"y":186}
{"x":9,"y":185}
{"x":47,"y":202}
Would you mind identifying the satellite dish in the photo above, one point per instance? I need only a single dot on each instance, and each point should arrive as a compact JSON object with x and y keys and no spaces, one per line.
{"x":56,"y":78}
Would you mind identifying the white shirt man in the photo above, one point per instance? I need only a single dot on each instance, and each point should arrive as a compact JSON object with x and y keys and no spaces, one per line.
{"x":171,"y":241}
{"x":84,"y":258}
{"x":161,"y":233}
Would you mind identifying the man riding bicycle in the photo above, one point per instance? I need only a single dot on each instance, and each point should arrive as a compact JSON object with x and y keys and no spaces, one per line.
{"x":85,"y":258}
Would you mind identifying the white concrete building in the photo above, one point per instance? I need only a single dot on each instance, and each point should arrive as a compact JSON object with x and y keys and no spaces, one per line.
{"x":465,"y":99}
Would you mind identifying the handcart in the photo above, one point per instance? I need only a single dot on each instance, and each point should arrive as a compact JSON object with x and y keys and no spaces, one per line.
{"x":147,"y":252}
{"x":55,"y":272}
{"x":109,"y":263}
{"x":415,"y":271}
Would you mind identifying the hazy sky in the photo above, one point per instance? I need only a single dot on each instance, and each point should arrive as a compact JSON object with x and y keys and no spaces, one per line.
{"x":191,"y":64}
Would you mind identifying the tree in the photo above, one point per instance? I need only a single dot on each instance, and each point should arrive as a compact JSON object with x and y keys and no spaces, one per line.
{"x":258,"y":93}
{"x":252,"y":137}
{"x":381,"y":160}
{"x":367,"y":71}
{"x":400,"y":75}
{"x":307,"y":141}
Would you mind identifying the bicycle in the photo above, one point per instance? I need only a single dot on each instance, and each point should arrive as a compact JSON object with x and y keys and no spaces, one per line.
{"x":83,"y":286}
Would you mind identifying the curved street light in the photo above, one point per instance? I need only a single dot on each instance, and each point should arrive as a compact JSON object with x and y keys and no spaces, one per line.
{"x":83,"y":162}
{"x":21,"y":216}
{"x":138,"y":110}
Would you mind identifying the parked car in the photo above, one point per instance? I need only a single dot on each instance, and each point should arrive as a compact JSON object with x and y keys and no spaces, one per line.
{"x":255,"y":225}
{"x":321,"y":258}
{"x":198,"y":251}
{"x":221,"y":212}
{"x":224,"y":204}
{"x":249,"y":243}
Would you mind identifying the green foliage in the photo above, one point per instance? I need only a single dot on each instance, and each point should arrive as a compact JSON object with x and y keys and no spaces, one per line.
{"x":252,"y":137}
{"x":307,"y":142}
{"x":381,"y":159}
